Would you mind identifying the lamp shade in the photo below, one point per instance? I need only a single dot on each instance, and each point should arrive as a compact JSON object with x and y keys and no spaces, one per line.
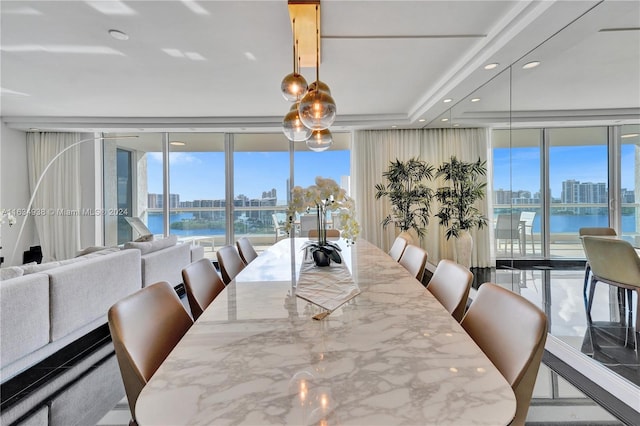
{"x":320,"y":140}
{"x":317,"y":110}
{"x":292,"y":126}
{"x":293,"y":87}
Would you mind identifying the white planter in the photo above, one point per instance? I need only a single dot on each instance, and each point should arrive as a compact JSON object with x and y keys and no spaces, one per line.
{"x":463,"y":245}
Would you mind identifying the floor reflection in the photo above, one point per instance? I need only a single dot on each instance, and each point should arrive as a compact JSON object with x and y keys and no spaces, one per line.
{"x":608,"y":339}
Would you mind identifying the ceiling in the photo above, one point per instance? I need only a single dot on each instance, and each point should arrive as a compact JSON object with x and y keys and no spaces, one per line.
{"x":217,"y":65}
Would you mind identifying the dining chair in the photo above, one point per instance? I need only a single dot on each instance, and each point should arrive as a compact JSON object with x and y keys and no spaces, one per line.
{"x":145,"y":326}
{"x":593,"y":231}
{"x":246,"y":250}
{"x":202,"y":284}
{"x":614,"y":262}
{"x":399,"y":244}
{"x":450,"y":284}
{"x":508,"y":229}
{"x":511,"y":331}
{"x":526,"y":220}
{"x":278,"y":227}
{"x":307,"y":223}
{"x":414,"y":260}
{"x":331,"y":233}
{"x":230,"y":263}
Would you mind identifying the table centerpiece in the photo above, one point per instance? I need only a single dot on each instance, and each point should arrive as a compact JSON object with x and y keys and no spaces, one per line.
{"x":325,"y":196}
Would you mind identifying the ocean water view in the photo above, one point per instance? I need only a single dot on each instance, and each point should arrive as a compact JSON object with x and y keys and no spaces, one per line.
{"x":559,"y":224}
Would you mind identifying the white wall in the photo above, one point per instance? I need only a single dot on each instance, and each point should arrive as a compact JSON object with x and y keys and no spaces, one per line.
{"x":14,"y":192}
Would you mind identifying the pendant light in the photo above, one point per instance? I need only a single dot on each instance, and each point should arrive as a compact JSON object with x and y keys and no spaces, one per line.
{"x":294,"y":85}
{"x":317,"y":108}
{"x":292,"y":126}
{"x":320,"y":140}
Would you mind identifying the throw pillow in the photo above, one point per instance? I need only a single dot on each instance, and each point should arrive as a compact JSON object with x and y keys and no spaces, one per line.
{"x":10,"y":272}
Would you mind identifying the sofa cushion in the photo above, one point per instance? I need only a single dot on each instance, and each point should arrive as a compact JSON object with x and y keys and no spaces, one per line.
{"x":89,"y":250}
{"x":84,"y":291}
{"x":152,"y":246}
{"x":165,"y":265}
{"x":24,"y":316}
{"x":11,"y":272}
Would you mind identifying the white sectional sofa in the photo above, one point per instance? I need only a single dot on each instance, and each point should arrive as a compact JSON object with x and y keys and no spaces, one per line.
{"x":44,"y":311}
{"x":163,"y":259}
{"x":55,"y":303}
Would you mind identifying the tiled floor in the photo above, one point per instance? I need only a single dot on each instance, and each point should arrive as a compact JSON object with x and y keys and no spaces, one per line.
{"x":91,"y":392}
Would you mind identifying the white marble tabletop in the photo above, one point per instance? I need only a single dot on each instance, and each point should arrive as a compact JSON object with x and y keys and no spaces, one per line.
{"x":391,"y":355}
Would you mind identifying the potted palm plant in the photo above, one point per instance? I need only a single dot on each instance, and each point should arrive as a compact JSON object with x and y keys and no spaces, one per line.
{"x":457,"y":203}
{"x":409,"y":195}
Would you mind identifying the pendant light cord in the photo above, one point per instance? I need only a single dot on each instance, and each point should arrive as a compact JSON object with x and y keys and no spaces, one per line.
{"x":317,"y":51}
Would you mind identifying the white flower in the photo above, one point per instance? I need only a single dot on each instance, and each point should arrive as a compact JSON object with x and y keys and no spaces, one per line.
{"x":327,"y":195}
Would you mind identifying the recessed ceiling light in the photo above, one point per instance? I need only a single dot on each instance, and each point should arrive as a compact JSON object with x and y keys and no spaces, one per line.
{"x":491,"y":66}
{"x":445,"y":119}
{"x":250,"y":56}
{"x":118,"y":35}
{"x":475,"y":99}
{"x":177,"y":143}
{"x":33,"y":129}
{"x":446,"y":101}
{"x":456,"y":125}
{"x":422,"y":120}
{"x":530,"y":65}
{"x":394,"y":126}
{"x":629,"y":135}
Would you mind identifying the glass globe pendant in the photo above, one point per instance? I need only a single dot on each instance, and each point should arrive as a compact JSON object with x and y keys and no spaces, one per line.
{"x":317,"y":110}
{"x":320,"y":140}
{"x":324,"y":87}
{"x":293,"y":86}
{"x":292,"y":126}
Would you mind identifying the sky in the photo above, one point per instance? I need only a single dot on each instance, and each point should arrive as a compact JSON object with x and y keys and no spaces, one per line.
{"x":200,"y":175}
{"x":581,"y":163}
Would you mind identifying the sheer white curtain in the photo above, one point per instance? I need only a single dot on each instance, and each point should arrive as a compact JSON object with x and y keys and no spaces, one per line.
{"x":58,"y":197}
{"x":371,"y":153}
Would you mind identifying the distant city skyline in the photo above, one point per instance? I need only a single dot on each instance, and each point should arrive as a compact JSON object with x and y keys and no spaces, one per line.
{"x":201,"y":175}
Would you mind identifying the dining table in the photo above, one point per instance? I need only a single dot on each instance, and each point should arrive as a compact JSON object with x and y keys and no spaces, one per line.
{"x":356,"y":343}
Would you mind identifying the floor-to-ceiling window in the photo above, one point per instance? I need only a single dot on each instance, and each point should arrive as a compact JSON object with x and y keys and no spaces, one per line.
{"x":197,"y":179}
{"x":577,"y":164}
{"x":208,"y":178}
{"x":630,"y":182}
{"x":261,"y":175}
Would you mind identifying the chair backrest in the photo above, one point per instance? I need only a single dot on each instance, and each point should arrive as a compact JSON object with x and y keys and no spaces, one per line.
{"x":450,"y":284}
{"x":507,"y":227}
{"x":331,"y":233}
{"x":597,"y":231}
{"x":230,"y":263}
{"x":511,"y":331}
{"x":527,"y":218}
{"x":414,"y":260}
{"x":307,"y":223}
{"x":398,"y":248}
{"x":612,"y":260}
{"x":202,"y":284}
{"x":145,"y":327}
{"x":246,"y":250}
